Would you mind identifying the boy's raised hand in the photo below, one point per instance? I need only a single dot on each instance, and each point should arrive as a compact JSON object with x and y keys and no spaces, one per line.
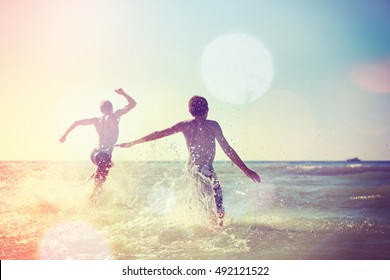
{"x":120,"y":91}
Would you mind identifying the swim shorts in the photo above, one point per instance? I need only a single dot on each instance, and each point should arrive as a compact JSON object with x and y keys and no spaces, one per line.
{"x":103,"y":161}
{"x":207,"y":177}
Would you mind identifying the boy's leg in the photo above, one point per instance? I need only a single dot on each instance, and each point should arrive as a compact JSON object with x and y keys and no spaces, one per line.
{"x":103,"y":161}
{"x":218,"y":199}
{"x":209,"y":180}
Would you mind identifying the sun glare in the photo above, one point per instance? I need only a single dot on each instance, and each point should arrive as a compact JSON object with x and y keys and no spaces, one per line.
{"x":237,"y":68}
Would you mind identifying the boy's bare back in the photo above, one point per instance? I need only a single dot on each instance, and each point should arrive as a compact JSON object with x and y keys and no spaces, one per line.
{"x":200,"y":137}
{"x":107,"y":128}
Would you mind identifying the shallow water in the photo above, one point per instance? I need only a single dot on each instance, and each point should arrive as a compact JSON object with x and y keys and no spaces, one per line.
{"x":150,"y":210}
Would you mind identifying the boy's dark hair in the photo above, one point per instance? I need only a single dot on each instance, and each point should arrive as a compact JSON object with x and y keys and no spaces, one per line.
{"x":106,"y":107}
{"x":198,"y":106}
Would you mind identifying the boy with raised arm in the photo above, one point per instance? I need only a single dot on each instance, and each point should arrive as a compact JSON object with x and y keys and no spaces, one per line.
{"x":107,"y":128}
{"x":200,"y":135}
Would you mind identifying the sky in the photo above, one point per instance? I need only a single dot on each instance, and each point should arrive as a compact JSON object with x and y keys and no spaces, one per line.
{"x":286,"y":80}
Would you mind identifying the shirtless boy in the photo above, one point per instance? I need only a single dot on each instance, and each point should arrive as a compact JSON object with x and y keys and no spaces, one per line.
{"x":200,"y":135}
{"x":107,"y":128}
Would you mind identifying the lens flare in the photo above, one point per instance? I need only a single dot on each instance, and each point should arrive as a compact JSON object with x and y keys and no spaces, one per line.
{"x":373,"y":77}
{"x":74,"y":240}
{"x":237,"y":68}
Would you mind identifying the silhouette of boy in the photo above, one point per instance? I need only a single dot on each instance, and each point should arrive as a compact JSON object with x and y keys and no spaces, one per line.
{"x":107,"y":128}
{"x":200,"y":135}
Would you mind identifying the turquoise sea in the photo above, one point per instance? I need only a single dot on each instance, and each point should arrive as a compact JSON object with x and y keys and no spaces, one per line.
{"x":149,"y":210}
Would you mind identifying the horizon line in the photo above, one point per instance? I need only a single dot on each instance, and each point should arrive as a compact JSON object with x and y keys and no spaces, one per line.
{"x":215,"y":161}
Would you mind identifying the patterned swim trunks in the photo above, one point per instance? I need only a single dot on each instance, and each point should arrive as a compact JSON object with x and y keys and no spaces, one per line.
{"x":205,"y":174}
{"x":103,"y":161}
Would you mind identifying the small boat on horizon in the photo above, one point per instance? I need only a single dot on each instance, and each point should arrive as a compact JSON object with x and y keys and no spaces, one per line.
{"x":355,"y":159}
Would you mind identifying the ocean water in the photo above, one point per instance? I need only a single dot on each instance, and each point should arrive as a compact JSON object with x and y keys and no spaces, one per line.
{"x":150,"y":210}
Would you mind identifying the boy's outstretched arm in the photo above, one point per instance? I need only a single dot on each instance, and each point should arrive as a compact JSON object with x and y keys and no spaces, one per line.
{"x":75,"y":124}
{"x":153,"y":136}
{"x":131,"y":102}
{"x":234,"y":157}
